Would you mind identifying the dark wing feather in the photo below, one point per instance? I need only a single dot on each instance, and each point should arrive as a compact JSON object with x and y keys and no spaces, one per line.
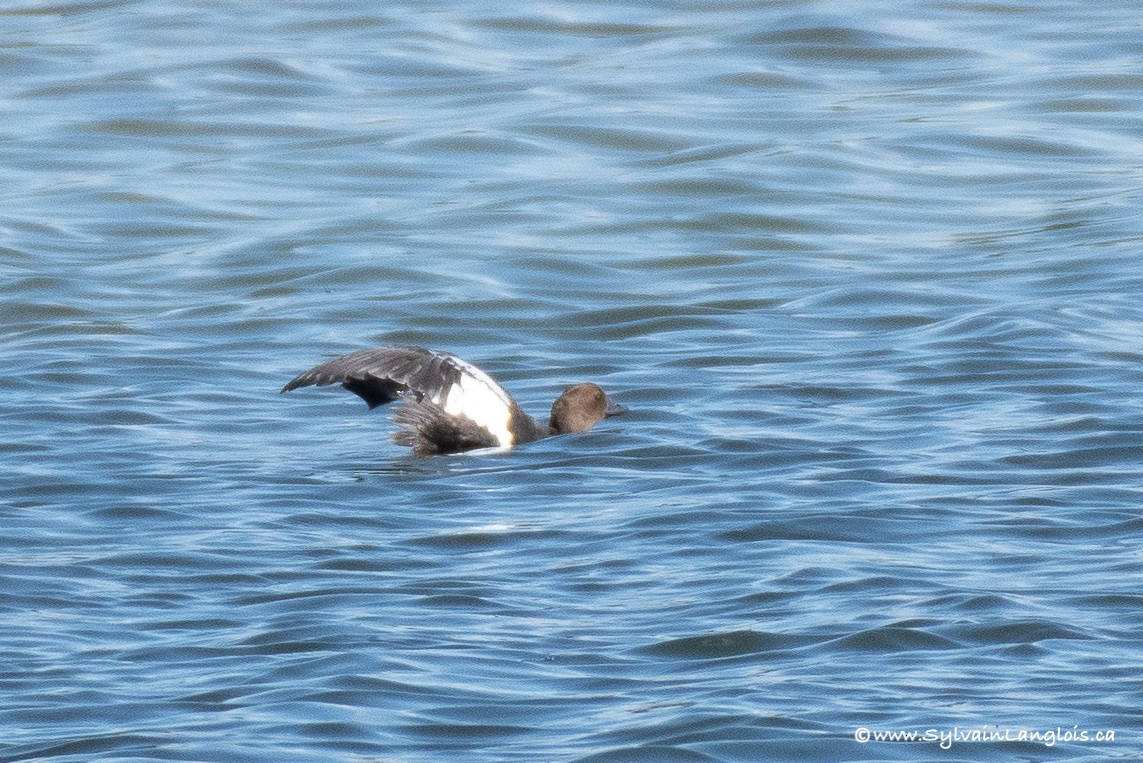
{"x":428,"y":430}
{"x":384,"y":374}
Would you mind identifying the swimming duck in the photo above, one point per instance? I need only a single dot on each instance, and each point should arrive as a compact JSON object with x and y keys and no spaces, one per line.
{"x":450,"y":405}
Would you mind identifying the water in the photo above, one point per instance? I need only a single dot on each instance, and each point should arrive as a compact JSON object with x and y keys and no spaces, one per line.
{"x":867,"y":276}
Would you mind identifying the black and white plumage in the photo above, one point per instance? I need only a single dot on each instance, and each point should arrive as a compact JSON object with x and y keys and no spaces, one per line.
{"x":451,"y":405}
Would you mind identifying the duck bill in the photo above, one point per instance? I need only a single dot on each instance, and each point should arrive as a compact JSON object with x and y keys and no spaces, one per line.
{"x":613,"y":409}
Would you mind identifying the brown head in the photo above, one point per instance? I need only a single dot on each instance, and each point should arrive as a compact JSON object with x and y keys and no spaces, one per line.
{"x":580,"y":407}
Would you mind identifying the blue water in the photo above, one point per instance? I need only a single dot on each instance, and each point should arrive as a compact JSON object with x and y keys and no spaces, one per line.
{"x":867,"y":275}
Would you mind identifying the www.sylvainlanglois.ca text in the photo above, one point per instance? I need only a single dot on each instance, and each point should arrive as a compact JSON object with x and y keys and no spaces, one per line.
{"x":947,"y":738}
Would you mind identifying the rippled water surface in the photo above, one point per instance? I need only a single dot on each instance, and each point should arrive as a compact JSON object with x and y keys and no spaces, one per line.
{"x":868,"y":276}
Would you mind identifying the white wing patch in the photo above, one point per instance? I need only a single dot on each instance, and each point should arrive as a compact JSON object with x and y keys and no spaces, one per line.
{"x":477,"y":397}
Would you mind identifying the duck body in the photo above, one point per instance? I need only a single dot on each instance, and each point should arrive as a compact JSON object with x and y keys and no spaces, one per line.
{"x":450,"y":405}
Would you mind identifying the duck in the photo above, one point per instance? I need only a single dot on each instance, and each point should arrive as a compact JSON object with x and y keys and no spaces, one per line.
{"x":450,"y":405}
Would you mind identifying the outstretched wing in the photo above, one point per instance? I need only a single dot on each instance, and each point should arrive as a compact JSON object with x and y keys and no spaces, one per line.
{"x":382,"y":375}
{"x":443,"y":381}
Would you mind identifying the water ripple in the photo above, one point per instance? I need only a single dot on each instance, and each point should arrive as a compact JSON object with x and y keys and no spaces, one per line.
{"x":866,"y":282}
